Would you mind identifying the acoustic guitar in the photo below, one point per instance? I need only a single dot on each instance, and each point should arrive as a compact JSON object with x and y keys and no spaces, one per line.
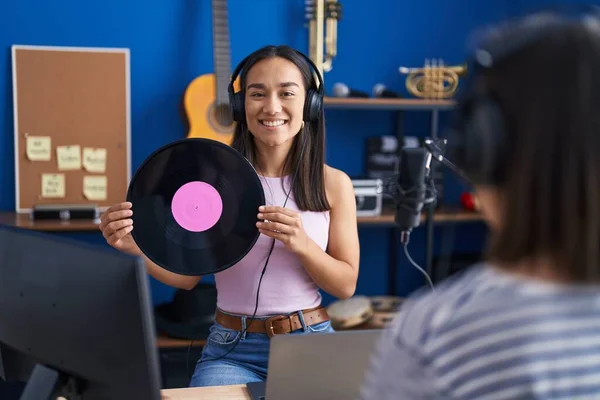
{"x":206,"y":100}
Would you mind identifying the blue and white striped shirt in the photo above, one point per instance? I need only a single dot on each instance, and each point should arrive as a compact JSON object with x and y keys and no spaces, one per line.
{"x":486,"y":334}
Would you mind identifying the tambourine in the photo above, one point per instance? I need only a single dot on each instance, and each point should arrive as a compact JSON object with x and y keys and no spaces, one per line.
{"x":361,"y":312}
{"x":385,"y":309}
{"x":350,"y":313}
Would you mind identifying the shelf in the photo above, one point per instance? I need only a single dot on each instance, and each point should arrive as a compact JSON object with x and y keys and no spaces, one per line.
{"x":443,"y":215}
{"x":387,"y":104}
{"x":23,"y":221}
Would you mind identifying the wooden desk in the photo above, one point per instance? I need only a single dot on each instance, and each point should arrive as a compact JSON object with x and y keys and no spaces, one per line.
{"x":231,"y":392}
{"x":443,"y":215}
{"x":23,"y":221}
{"x":440,"y":216}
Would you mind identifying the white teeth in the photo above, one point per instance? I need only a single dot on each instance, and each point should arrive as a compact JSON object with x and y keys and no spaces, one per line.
{"x":274,"y":123}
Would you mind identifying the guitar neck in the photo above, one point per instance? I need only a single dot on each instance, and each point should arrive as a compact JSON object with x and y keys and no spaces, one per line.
{"x":221,"y":49}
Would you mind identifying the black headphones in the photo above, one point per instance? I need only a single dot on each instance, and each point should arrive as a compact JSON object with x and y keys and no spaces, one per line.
{"x":478,"y":141}
{"x":313,"y":103}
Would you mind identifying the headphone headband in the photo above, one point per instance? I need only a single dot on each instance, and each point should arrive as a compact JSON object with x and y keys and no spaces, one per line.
{"x":242,"y":63}
{"x":314,"y":98}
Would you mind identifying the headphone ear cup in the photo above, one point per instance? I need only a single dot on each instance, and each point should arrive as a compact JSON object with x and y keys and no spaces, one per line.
{"x":484,"y":142}
{"x":312,"y":106}
{"x":236,"y":103}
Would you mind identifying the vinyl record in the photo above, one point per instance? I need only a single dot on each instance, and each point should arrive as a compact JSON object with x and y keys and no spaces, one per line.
{"x":195,"y":203}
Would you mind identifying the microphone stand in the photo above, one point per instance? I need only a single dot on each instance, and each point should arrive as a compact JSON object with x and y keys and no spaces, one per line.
{"x":437,"y":154}
{"x":434,"y":146}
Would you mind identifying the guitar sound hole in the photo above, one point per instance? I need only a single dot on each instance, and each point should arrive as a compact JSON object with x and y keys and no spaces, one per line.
{"x":223,"y":115}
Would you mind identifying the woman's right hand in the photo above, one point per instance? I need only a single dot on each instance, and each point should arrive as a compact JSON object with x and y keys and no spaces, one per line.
{"x":116,"y":226}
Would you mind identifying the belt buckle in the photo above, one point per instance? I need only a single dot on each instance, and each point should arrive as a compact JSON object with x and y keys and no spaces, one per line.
{"x":269,"y":324}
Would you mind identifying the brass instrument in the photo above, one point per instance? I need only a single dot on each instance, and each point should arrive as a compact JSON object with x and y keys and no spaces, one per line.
{"x":434,"y":80}
{"x":323,"y":16}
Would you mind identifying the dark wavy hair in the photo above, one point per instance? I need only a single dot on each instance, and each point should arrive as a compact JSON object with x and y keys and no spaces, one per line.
{"x":306,"y":159}
{"x":550,"y":96}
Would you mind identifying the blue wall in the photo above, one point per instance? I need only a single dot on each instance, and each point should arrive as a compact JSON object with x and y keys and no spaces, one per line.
{"x":170,"y":43}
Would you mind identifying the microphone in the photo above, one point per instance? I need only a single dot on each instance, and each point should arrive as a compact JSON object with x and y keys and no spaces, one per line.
{"x":342,"y":90}
{"x":379,"y":90}
{"x":414,"y":169}
{"x":411,"y":196}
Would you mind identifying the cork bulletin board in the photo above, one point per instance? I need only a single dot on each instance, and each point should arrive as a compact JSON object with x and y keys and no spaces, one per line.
{"x":72,"y":126}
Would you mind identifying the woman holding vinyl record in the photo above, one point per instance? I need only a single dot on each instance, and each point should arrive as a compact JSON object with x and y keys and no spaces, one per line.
{"x":308,"y":233}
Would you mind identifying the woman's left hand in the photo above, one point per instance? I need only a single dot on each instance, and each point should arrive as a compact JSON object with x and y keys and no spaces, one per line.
{"x":284,"y":225}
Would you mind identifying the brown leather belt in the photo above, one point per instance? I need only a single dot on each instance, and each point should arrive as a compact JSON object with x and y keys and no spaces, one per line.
{"x":276,"y":325}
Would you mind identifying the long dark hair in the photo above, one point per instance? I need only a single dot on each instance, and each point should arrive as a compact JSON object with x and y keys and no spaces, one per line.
{"x":550,"y":94}
{"x":306,"y":159}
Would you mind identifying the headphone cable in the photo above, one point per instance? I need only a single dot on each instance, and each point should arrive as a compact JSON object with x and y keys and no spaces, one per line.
{"x":252,"y":319}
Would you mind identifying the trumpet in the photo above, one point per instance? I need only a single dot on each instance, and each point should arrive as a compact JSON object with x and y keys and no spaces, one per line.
{"x":434,"y":80}
{"x":323,"y":17}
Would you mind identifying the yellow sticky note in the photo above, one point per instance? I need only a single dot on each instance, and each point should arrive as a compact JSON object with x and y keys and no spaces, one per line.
{"x":53,"y":186}
{"x":68,"y":157}
{"x":38,"y":148}
{"x":94,"y":187}
{"x":94,"y":160}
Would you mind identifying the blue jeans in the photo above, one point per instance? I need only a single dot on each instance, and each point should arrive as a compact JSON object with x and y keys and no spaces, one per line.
{"x":247,"y":362}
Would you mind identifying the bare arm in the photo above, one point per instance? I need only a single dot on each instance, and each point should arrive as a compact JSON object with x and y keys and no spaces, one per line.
{"x":335,"y":271}
{"x":116,"y":226}
{"x":170,"y":278}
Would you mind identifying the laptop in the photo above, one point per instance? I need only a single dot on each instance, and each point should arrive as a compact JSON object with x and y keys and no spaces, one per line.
{"x":316,"y":366}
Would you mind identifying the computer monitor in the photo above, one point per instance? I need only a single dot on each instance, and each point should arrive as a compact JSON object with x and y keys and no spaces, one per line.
{"x":75,"y":320}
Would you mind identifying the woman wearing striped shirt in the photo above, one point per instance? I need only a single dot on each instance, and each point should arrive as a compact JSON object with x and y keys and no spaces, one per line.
{"x":526,"y":323}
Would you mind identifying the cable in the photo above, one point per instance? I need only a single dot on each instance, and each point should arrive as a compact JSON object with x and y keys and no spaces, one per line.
{"x":252,"y":319}
{"x":255,"y":307}
{"x":405,"y":238}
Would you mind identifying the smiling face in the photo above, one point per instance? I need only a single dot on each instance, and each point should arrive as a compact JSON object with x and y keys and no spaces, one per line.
{"x":274,"y":100}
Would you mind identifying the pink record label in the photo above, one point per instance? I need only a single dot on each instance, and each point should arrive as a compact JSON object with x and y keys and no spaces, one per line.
{"x":197,"y":206}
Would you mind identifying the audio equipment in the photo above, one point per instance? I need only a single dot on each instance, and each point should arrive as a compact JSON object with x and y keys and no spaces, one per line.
{"x":65,"y":212}
{"x":415,"y":168}
{"x":380,"y":90}
{"x":381,"y":156}
{"x":342,"y":90}
{"x":313,"y":104}
{"x":323,"y":17}
{"x":414,"y":189}
{"x":368,"y":195}
{"x":437,"y":149}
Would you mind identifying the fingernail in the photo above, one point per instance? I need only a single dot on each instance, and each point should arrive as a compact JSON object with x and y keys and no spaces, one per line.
{"x":258,"y":224}
{"x":261,"y":208}
{"x":259,"y":215}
